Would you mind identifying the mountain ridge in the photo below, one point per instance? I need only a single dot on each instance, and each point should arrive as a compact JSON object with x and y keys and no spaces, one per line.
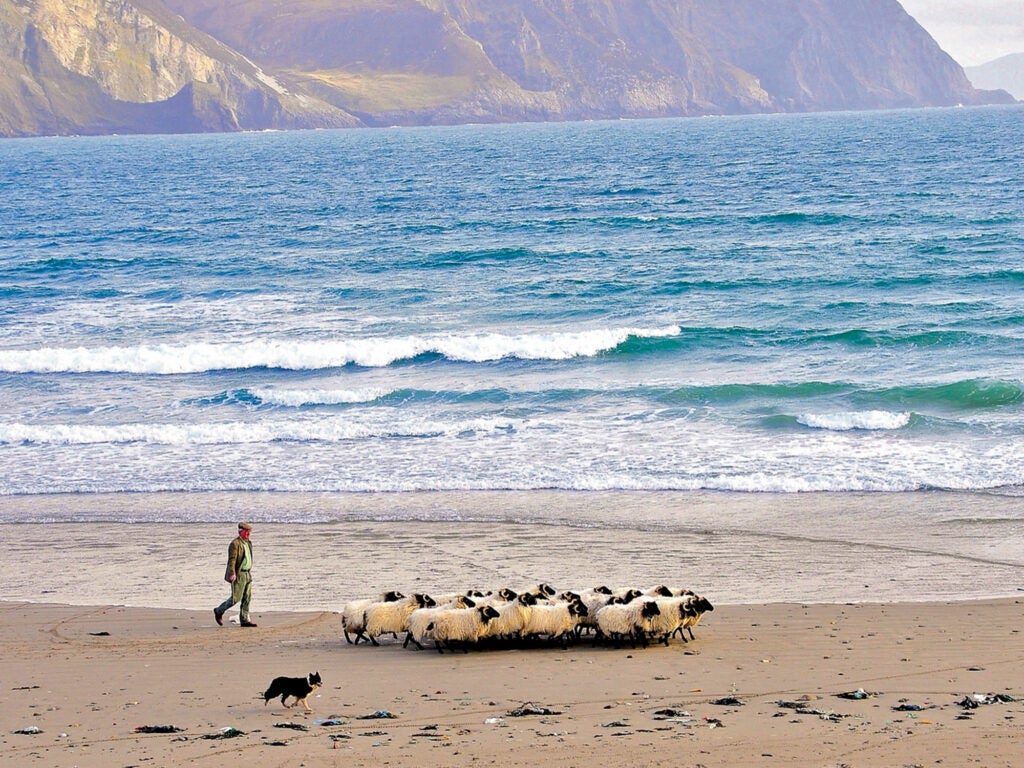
{"x":1005,"y":73}
{"x":145,"y":66}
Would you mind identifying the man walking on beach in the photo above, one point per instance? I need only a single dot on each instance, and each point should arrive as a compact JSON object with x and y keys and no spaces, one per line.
{"x":237,"y":575}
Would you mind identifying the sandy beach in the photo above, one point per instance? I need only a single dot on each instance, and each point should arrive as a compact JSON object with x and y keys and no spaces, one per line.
{"x":112,"y":630}
{"x":88,"y":677}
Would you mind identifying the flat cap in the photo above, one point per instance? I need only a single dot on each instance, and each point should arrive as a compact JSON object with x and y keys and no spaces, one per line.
{"x":244,"y":527}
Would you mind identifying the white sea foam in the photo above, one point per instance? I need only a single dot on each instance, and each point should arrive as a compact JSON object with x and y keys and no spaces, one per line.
{"x":235,"y":433}
{"x":315,"y":355}
{"x":299,"y":397}
{"x":869,"y":420}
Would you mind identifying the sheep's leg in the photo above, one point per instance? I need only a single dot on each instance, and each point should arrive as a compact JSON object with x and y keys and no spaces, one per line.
{"x":347,"y":638}
{"x":409,"y":638}
{"x":373,"y":640}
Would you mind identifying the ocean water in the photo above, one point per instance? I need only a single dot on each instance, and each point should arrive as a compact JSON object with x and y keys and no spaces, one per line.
{"x":753,"y":304}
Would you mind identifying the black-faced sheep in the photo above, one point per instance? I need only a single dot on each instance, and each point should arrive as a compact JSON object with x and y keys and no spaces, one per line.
{"x":626,"y":595}
{"x":461,"y":626}
{"x":632,"y":621}
{"x":595,"y":600}
{"x":392,"y":616}
{"x":556,"y":621}
{"x":542,"y":591}
{"x":511,"y":618}
{"x":701,"y":606}
{"x":659,"y":591}
{"x":421,"y":621}
{"x":498,"y":598}
{"x":353,"y":614}
{"x":674,"y":611}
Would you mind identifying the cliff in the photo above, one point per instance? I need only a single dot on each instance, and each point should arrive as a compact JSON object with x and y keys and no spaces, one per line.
{"x":102,"y":66}
{"x":131,"y":66}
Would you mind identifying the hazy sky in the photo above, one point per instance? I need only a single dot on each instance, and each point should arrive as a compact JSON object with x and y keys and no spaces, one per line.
{"x":972,"y":31}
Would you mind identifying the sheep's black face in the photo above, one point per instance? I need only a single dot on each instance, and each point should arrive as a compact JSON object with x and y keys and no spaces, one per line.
{"x":650,"y":609}
{"x":527,"y":598}
{"x":546,"y":589}
{"x":704,"y":605}
{"x":663,"y":591}
{"x":506,"y":594}
{"x":425,"y":601}
{"x":468,"y":602}
{"x":602,"y":590}
{"x":576,"y":608}
{"x":392,"y":597}
{"x":487,"y":613}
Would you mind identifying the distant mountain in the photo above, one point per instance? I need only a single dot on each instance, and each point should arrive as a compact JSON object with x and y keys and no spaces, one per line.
{"x":142,"y":66}
{"x":1006,"y":73}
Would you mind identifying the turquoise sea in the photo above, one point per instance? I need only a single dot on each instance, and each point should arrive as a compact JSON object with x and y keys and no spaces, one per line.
{"x":830,"y":302}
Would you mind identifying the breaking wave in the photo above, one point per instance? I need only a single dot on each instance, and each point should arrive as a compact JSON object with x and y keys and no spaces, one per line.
{"x":867,"y":420}
{"x":318,"y":355}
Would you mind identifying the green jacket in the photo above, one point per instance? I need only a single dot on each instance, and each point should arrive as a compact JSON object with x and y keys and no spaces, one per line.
{"x":236,"y":555}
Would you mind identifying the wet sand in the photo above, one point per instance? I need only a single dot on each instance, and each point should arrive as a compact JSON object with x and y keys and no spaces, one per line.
{"x":313,"y":552}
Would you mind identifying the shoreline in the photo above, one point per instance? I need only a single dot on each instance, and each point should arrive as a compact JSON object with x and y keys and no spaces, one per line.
{"x":316,"y":551}
{"x":88,"y":676}
{"x":318,"y":568}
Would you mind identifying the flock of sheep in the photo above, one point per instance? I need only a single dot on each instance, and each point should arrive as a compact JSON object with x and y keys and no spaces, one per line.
{"x":475,"y":618}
